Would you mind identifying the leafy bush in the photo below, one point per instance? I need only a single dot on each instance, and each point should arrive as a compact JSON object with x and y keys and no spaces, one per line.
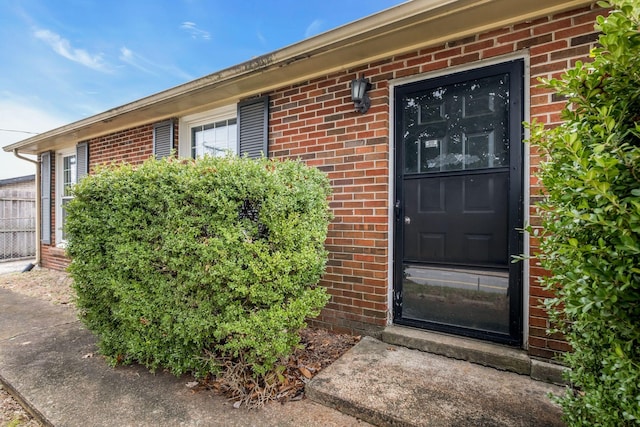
{"x":591,"y":222}
{"x":179,"y":263}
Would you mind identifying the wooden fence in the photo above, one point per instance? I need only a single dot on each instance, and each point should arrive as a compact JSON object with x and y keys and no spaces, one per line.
{"x":17,"y":224}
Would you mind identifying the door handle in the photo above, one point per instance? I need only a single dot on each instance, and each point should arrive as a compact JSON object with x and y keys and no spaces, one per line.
{"x":407,"y":220}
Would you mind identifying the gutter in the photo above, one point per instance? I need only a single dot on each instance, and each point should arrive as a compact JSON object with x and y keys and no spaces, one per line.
{"x":38,"y":209}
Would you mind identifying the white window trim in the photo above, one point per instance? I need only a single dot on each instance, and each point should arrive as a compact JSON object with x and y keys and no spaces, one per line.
{"x":59,"y":177}
{"x":200,"y":119}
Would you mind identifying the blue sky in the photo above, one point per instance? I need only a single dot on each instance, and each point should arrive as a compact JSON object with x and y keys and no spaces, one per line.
{"x":63,"y":60}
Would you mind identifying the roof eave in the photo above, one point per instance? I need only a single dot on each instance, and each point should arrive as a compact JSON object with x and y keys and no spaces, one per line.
{"x":408,"y":26}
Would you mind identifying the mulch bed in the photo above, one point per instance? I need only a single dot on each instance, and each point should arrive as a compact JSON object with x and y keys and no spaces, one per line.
{"x":318,"y":349}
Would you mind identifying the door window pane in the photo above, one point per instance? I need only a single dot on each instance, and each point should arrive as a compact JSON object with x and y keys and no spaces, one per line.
{"x":469,"y":298}
{"x":457,"y":127}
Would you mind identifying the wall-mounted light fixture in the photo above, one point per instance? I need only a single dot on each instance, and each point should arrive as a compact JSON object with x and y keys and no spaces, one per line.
{"x":359,"y":88}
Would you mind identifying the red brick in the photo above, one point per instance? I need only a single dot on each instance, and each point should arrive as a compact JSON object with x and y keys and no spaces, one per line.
{"x":548,"y":68}
{"x":407,"y":72}
{"x":498,"y":50}
{"x":448,"y":53}
{"x":549,"y":47}
{"x":581,"y":51}
{"x":590,"y":17}
{"x":575,"y":31}
{"x":552,"y":26}
{"x":515,"y":35}
{"x":465,"y":59}
{"x":494,"y":33}
{"x":485,"y":44}
{"x":541,"y":39}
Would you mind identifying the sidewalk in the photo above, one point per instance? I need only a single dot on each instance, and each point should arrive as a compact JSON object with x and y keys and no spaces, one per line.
{"x":50,"y":362}
{"x":14,"y":266}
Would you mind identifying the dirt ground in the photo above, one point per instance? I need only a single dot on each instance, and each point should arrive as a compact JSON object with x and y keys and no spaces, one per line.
{"x":319,"y":347}
{"x":12,"y":414}
{"x":47,"y":285}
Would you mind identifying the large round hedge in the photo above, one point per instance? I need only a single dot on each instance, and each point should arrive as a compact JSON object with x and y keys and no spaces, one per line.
{"x":178,"y":263}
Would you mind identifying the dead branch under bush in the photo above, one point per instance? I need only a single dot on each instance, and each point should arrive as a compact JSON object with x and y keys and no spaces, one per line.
{"x":318,"y":349}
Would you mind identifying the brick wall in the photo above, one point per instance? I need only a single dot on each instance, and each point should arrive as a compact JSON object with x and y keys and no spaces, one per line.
{"x":131,"y":146}
{"x":316,"y":121}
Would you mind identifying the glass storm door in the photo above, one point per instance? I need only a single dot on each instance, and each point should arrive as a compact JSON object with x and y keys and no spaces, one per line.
{"x":459,"y":198}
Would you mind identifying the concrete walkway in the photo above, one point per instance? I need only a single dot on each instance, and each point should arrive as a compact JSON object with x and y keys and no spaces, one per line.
{"x":14,"y":266}
{"x":50,"y":362}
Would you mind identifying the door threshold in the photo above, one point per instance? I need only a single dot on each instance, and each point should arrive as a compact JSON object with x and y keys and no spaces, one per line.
{"x":475,"y":351}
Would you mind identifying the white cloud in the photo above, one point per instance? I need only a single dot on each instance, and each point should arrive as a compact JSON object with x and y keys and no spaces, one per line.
{"x":194,"y":31}
{"x":63,"y":48}
{"x":126,"y":53}
{"x":19,"y":115}
{"x":261,"y":38}
{"x":127,"y":56}
{"x":143,"y":64}
{"x":314,"y":28}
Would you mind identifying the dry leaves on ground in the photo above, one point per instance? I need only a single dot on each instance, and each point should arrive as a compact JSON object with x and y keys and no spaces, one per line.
{"x":12,"y":414}
{"x":318,"y":349}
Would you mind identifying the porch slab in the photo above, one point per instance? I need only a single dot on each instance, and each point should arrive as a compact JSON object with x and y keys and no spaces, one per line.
{"x":388,"y":385}
{"x":480,"y":352}
{"x":475,"y":351}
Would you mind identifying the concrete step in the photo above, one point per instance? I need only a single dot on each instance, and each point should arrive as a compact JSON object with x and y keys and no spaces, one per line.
{"x":475,"y":351}
{"x":388,"y":385}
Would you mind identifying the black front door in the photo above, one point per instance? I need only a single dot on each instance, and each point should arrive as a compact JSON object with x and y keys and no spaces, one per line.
{"x":459,"y":198}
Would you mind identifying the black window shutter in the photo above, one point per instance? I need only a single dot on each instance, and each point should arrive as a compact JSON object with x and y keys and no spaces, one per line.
{"x":45,"y":198}
{"x":82,"y":160}
{"x":253,"y":121}
{"x":163,"y":139}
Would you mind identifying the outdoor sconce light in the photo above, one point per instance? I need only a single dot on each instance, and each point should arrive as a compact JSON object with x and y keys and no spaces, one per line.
{"x":359,"y":88}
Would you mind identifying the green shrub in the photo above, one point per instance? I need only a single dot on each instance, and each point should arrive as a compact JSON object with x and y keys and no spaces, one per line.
{"x":591,"y":222}
{"x":176,"y":260}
